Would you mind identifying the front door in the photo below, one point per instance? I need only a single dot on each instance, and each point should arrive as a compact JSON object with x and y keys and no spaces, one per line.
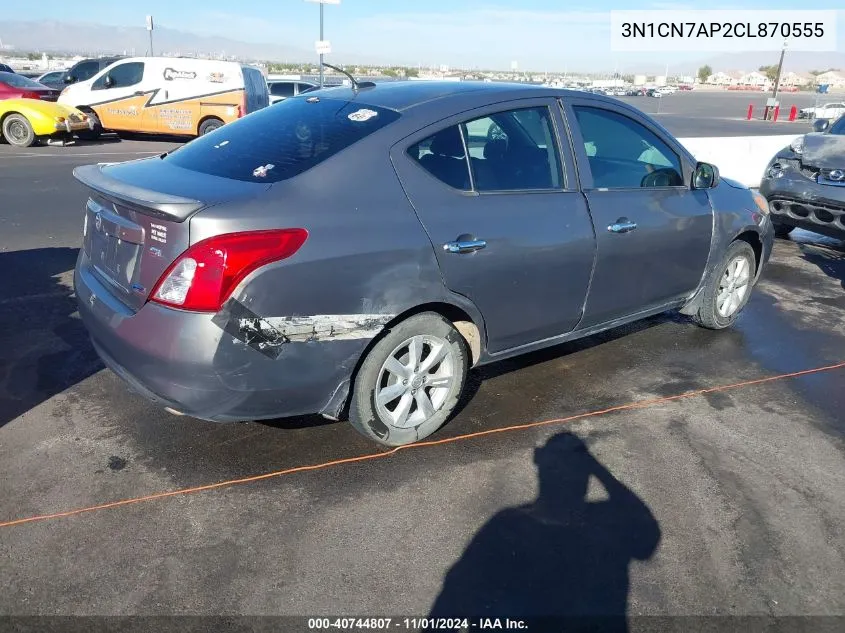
{"x":653,"y":231}
{"x":500,"y":204}
{"x":119,"y":100}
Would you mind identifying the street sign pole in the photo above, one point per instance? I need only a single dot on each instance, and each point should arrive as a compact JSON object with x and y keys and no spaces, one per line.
{"x":323,"y":46}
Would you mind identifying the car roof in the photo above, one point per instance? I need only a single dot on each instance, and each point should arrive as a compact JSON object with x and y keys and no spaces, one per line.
{"x":403,"y":95}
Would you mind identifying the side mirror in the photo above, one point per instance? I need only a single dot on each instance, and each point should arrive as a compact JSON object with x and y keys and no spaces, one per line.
{"x":109,"y":82}
{"x":821,"y":125}
{"x":705,"y":176}
{"x":69,"y":79}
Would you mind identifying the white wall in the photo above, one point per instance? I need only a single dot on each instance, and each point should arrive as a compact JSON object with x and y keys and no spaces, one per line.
{"x":742,"y":158}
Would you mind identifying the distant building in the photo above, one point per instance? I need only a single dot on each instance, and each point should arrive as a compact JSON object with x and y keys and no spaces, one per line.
{"x":832,"y":78}
{"x":639,"y":80}
{"x":756,"y":79}
{"x":793,"y":79}
{"x":724,"y":78}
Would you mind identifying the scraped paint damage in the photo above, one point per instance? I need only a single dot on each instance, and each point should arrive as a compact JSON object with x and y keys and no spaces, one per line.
{"x":269,"y":334}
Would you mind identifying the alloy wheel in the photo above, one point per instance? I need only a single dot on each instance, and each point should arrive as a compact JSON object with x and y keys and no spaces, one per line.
{"x":734,"y":286}
{"x":414,"y":381}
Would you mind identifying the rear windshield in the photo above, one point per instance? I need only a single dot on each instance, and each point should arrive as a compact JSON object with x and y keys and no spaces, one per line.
{"x":19,"y":81}
{"x":282,"y":140}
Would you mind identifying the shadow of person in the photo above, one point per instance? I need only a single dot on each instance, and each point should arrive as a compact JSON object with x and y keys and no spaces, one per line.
{"x":562,"y":561}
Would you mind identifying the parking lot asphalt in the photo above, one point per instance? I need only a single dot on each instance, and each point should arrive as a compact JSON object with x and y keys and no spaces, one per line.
{"x":729,"y":502}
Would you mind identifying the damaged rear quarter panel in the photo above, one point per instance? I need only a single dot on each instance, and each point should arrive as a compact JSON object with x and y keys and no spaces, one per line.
{"x":366,"y":260}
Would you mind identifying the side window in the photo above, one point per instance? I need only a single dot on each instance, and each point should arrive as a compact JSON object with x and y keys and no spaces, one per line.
{"x":122,"y":76}
{"x":301,"y":88}
{"x":624,"y":154}
{"x":86,"y":70}
{"x":282,"y":89}
{"x":514,"y":150}
{"x":443,"y":156}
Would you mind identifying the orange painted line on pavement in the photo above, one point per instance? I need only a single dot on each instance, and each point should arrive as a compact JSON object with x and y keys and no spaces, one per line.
{"x":448,"y":440}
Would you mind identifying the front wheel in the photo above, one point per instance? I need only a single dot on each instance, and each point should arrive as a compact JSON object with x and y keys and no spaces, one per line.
{"x":410,"y":381}
{"x":18,"y":131}
{"x":728,"y":287}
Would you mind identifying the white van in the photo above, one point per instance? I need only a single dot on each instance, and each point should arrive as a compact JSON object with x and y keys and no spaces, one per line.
{"x":168,"y":95}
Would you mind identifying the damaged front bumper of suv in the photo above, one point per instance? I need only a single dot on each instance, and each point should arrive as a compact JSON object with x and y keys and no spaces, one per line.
{"x":806,"y":197}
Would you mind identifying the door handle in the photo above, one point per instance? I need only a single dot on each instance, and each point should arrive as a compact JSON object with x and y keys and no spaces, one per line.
{"x":464,"y":246}
{"x":139,"y":93}
{"x":622,"y":225}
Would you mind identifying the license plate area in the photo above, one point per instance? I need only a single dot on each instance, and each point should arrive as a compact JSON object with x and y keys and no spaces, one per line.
{"x":113,"y":244}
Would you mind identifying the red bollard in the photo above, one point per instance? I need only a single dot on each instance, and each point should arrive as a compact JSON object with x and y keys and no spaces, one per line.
{"x":793,"y":113}
{"x":750,"y":112}
{"x":777,"y":110}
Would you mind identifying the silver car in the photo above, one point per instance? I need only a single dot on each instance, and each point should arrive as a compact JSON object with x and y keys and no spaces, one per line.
{"x":355,"y":251}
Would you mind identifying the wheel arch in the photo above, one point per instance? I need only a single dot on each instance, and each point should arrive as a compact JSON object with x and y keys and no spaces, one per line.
{"x":752,"y":238}
{"x":747,"y":235}
{"x":471,"y":329}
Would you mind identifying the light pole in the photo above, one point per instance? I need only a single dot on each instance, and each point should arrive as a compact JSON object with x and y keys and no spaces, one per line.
{"x":322,"y":46}
{"x":150,"y":29}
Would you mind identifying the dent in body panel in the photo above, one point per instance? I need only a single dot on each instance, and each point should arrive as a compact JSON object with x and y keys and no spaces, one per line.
{"x":268,"y":334}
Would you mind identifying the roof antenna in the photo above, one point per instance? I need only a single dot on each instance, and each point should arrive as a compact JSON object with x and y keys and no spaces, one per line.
{"x":356,"y":85}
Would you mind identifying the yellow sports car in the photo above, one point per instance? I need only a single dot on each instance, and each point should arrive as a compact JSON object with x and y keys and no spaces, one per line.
{"x":24,"y":122}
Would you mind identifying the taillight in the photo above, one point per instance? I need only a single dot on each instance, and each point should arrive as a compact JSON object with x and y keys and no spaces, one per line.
{"x":30,"y":95}
{"x":242,"y":111}
{"x":203,"y":277}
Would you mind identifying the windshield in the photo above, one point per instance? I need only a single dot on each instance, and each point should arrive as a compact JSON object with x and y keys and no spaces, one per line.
{"x":19,"y":81}
{"x":282,"y":141}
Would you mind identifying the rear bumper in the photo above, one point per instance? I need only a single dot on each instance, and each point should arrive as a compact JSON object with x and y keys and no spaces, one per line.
{"x":183,"y":361}
{"x":795,"y":200}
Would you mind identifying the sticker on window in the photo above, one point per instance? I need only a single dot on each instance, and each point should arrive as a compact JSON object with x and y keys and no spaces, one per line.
{"x":363,"y":115}
{"x":261,"y":172}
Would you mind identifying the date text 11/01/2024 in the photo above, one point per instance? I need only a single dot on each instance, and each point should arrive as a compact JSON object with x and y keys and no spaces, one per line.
{"x":417,"y":624}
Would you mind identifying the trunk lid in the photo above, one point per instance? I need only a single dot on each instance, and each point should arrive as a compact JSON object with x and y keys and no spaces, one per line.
{"x":48,"y":94}
{"x":137,"y":220}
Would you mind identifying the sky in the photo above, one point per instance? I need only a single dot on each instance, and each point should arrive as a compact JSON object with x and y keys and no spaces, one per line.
{"x":459,"y":33}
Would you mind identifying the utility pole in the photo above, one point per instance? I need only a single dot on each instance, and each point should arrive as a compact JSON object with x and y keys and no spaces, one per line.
{"x":772,"y":102}
{"x":780,"y":70}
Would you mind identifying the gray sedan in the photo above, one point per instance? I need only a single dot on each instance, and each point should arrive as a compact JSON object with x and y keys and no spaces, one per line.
{"x":355,"y":251}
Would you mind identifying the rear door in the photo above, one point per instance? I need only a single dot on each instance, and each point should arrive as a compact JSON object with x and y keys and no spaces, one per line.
{"x":499,"y":201}
{"x":653,"y":231}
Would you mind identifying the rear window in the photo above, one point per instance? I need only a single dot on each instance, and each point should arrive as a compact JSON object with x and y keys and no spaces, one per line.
{"x":282,"y":141}
{"x":18,"y":81}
